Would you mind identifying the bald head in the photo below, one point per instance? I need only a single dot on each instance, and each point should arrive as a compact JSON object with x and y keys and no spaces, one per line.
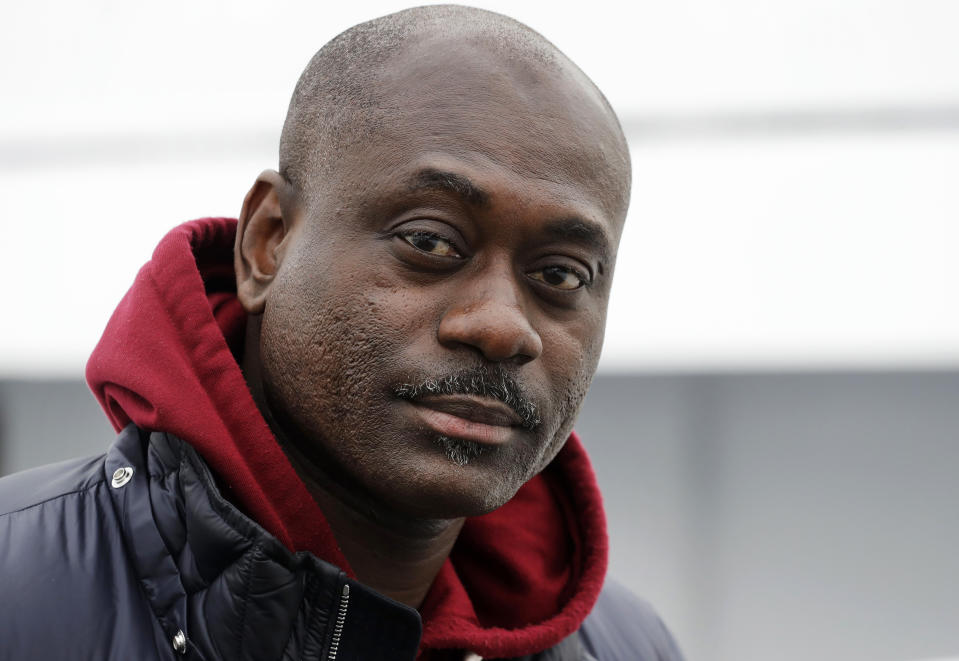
{"x":352,"y":91}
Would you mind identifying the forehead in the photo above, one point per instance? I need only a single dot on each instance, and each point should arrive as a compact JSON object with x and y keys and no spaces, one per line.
{"x":539,"y":120}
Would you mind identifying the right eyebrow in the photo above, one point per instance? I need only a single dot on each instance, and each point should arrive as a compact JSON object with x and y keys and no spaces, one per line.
{"x":582,"y":231}
{"x":449,"y":182}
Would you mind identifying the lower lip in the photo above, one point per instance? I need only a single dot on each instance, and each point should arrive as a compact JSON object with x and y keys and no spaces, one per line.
{"x":454,"y":426}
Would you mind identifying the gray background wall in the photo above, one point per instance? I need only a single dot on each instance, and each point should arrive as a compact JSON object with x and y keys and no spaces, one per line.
{"x":767,"y":516}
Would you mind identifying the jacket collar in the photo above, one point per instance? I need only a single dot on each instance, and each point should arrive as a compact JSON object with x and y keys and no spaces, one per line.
{"x":228,"y":585}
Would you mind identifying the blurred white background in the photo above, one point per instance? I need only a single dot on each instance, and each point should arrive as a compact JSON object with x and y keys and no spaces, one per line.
{"x":795,"y":209}
{"x":794,"y":197}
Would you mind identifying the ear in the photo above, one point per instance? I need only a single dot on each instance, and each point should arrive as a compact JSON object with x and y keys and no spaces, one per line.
{"x":260,"y":235}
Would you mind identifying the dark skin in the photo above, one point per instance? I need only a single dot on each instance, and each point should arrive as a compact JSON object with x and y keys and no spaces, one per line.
{"x":477,"y":229}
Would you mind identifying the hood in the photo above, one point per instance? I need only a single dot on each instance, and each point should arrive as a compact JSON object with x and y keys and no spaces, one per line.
{"x":518,"y":580}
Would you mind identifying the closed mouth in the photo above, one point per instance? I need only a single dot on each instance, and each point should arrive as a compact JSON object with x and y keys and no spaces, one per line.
{"x":474,"y":408}
{"x":469,"y":417}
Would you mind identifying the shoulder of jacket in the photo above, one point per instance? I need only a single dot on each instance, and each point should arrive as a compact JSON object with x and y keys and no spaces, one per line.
{"x":623,"y":626}
{"x":35,"y":486}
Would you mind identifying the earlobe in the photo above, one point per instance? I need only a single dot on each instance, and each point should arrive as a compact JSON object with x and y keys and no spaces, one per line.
{"x":260,"y":233}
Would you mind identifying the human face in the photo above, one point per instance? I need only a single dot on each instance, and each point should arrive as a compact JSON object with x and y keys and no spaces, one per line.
{"x":469,"y":244}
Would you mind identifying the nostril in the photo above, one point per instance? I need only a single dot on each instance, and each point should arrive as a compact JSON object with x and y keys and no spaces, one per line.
{"x":521,"y":359}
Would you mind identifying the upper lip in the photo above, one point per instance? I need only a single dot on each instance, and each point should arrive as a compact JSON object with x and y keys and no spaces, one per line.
{"x":474,"y":408}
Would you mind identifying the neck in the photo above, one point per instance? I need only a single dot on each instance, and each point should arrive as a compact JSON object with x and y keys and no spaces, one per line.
{"x":395,"y":555}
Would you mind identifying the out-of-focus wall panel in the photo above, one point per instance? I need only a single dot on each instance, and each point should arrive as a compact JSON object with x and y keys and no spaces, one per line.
{"x":837,"y":528}
{"x":42,"y":422}
{"x":778,"y":252}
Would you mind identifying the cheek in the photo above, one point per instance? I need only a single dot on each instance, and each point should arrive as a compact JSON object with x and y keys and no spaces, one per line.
{"x":571,"y":353}
{"x":320,"y":351}
{"x":333,"y":331}
{"x":570,"y":360}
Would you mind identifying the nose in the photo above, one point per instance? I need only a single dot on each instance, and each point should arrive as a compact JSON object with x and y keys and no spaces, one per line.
{"x":488,"y":316}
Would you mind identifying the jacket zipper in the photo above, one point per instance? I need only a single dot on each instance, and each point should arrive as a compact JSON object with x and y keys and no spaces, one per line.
{"x":340,"y":621}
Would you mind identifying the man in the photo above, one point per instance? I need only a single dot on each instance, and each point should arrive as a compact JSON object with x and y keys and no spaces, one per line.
{"x":346,"y":418}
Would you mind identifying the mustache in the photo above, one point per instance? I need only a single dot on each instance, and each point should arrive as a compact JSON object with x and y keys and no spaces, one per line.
{"x":492,"y":382}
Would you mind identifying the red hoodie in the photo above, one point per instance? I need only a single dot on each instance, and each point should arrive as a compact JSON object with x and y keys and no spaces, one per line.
{"x":519,"y":579}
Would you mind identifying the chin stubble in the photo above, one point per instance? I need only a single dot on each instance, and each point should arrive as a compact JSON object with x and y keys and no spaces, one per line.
{"x":458,"y":450}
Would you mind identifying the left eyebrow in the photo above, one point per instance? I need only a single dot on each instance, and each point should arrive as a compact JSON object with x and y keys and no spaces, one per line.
{"x":449,"y":182}
{"x":578,"y":230}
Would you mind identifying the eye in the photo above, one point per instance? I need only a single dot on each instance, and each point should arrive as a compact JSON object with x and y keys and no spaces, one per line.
{"x":430,"y":243}
{"x":560,"y":277}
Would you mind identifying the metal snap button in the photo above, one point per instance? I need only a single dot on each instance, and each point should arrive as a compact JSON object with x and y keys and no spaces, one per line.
{"x":179,"y":642}
{"x":121,"y":476}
